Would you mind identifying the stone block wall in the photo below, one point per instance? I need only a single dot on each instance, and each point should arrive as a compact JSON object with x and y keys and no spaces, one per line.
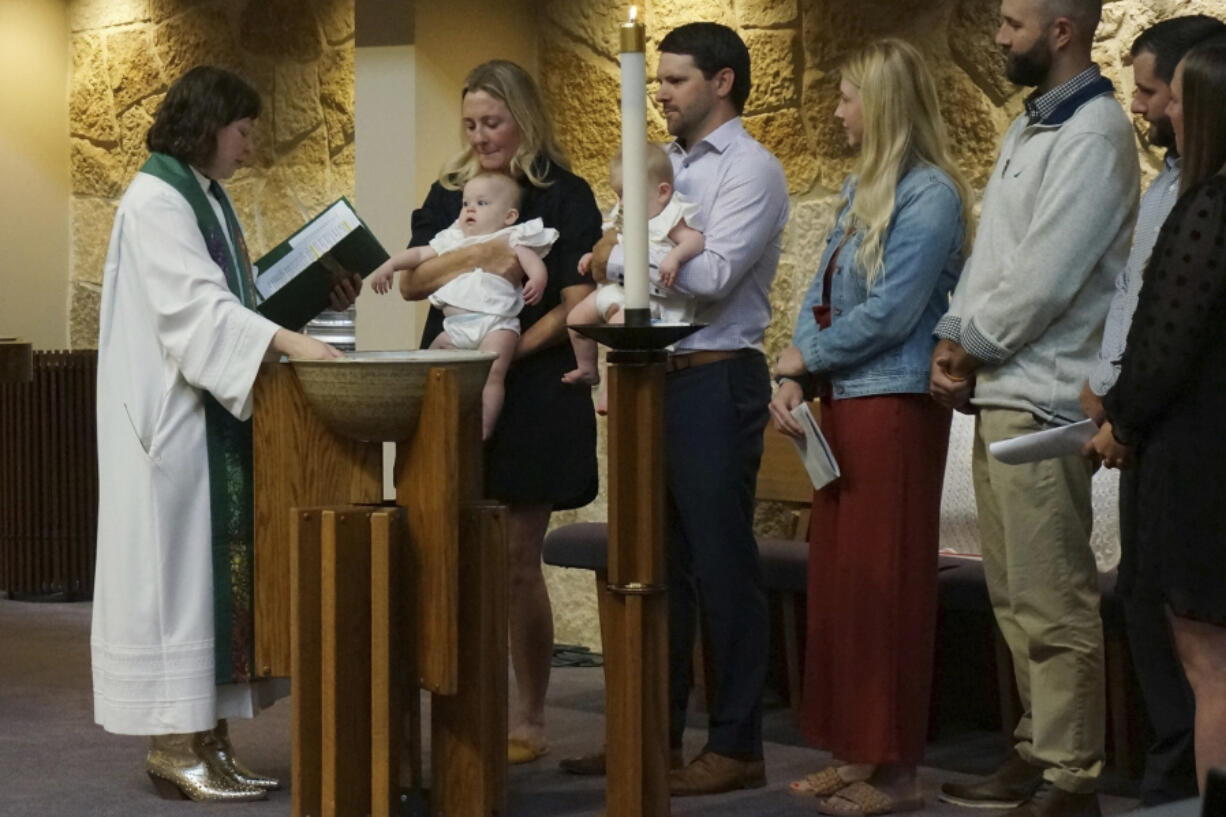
{"x":299,"y":54}
{"x":796,"y":47}
{"x":125,"y":54}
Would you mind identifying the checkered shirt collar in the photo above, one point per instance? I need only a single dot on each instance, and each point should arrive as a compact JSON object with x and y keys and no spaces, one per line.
{"x":1040,"y":106}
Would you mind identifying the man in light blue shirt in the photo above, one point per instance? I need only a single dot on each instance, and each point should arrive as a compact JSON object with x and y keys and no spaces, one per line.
{"x":716,"y":397}
{"x":1170,"y":767}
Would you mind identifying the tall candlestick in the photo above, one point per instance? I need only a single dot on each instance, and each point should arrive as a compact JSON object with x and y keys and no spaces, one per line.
{"x":634,"y":168}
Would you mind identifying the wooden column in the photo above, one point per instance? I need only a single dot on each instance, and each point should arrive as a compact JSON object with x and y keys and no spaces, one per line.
{"x":306,"y":725}
{"x":345,"y":659}
{"x":394,"y":701}
{"x":469,"y":729}
{"x":636,"y":660}
{"x":299,"y":463}
{"x":457,"y":563}
{"x":331,"y":656}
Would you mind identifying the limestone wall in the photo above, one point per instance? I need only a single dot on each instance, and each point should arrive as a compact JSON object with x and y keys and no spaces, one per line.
{"x":796,"y":47}
{"x":299,"y":54}
{"x":125,"y":54}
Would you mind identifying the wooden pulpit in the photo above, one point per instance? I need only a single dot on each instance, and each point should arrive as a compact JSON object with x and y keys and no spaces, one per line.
{"x":362,"y":603}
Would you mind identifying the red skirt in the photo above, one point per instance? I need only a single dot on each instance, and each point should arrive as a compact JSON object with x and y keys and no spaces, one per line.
{"x":873,"y":541}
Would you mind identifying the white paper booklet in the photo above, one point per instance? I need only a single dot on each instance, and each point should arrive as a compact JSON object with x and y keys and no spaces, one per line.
{"x":814,"y":452}
{"x":307,"y":245}
{"x":1044,"y":445}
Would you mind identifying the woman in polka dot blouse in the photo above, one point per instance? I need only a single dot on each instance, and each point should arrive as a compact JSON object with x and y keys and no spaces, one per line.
{"x":1166,"y":408}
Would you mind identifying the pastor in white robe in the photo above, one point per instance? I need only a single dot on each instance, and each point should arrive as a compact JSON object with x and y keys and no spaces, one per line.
{"x":170,"y":330}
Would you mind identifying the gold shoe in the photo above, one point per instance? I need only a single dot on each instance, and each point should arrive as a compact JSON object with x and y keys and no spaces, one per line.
{"x":215,"y":747}
{"x":179,"y":773}
{"x":520,"y":750}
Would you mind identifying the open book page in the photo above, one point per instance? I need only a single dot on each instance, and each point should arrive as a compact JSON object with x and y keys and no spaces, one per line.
{"x":814,"y":452}
{"x":1044,"y":445}
{"x":307,"y":245}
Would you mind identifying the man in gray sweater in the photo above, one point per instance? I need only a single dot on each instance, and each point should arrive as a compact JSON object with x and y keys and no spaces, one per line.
{"x":1021,"y":335}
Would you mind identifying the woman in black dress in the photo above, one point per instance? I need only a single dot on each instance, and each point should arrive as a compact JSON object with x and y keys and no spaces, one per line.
{"x":1165,"y":410}
{"x":542,"y":455}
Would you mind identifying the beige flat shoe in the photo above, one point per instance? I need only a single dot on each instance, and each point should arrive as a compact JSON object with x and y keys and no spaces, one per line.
{"x":861,"y":799}
{"x":822,"y":783}
{"x":525,"y":751}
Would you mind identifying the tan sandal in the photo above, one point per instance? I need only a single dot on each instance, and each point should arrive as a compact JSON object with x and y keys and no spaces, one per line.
{"x":862,"y":799}
{"x":822,"y":783}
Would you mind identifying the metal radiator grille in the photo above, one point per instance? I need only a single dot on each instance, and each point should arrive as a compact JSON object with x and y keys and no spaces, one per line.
{"x":49,"y":479}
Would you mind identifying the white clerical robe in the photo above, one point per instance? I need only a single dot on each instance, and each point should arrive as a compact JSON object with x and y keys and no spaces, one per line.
{"x":170,"y":330}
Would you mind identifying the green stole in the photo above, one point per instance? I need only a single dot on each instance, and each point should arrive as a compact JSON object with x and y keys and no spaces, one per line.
{"x":231,"y":482}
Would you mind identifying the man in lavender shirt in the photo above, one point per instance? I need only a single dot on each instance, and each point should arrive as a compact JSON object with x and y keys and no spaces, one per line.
{"x":716,"y":397}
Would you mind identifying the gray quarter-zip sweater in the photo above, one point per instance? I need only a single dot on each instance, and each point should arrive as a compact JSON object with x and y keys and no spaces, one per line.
{"x":1054,"y":232}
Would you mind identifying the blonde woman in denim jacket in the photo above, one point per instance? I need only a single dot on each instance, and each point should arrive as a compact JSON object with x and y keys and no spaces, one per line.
{"x":863,"y":342}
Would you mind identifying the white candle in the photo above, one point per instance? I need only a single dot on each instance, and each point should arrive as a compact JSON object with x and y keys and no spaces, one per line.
{"x":634,"y":164}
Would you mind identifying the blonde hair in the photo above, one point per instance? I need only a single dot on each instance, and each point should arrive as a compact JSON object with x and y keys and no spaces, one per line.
{"x":506,"y":182}
{"x":538,"y":147}
{"x":902,"y":127}
{"x":659,"y":168}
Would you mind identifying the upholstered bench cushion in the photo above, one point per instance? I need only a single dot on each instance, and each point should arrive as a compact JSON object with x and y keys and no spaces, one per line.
{"x":784,"y":564}
{"x":584,"y":545}
{"x":961,"y":586}
{"x":960,"y":583}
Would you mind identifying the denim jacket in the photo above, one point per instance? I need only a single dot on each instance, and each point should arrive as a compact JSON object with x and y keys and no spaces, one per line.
{"x":881,"y":342}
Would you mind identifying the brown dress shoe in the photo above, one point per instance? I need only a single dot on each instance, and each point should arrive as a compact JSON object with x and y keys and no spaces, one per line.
{"x":1050,"y":801}
{"x":594,"y":763}
{"x":1010,"y":785}
{"x":710,"y":773}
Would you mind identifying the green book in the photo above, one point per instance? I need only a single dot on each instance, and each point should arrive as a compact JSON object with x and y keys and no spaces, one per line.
{"x":295,"y":277}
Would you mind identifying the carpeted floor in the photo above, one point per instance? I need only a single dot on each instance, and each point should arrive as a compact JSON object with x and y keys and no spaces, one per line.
{"x":54,"y":762}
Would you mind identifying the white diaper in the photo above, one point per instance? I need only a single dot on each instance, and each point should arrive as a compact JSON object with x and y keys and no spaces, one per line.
{"x":468,"y":329}
{"x":607,"y":297}
{"x":663,"y":308}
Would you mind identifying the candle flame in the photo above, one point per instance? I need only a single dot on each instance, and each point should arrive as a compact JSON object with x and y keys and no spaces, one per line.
{"x":634,"y":13}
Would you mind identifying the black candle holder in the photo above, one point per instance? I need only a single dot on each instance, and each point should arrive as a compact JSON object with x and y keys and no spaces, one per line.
{"x":629,"y":342}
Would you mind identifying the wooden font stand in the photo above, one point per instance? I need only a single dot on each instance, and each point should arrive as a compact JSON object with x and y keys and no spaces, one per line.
{"x":362,"y":605}
{"x":636,"y":597}
{"x":634,"y":602}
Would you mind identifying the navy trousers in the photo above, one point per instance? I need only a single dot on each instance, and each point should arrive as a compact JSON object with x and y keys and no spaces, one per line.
{"x":714,"y":418}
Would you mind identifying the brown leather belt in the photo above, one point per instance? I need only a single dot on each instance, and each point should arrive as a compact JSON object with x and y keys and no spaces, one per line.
{"x":688,"y":360}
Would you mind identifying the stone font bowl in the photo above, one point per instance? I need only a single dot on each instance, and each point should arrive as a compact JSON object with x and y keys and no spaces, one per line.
{"x":376,"y":396}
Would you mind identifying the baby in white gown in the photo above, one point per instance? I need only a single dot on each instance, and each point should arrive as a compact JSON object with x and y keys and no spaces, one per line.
{"x":480,"y":308}
{"x":668,"y":232}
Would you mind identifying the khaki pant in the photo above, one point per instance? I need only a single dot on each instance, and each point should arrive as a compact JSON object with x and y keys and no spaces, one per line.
{"x":1035,"y":522}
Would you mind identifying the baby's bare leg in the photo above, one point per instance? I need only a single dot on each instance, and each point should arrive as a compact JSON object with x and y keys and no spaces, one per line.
{"x":501,"y":342}
{"x":442,"y":341}
{"x":615,"y":317}
{"x":586,"y":353}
